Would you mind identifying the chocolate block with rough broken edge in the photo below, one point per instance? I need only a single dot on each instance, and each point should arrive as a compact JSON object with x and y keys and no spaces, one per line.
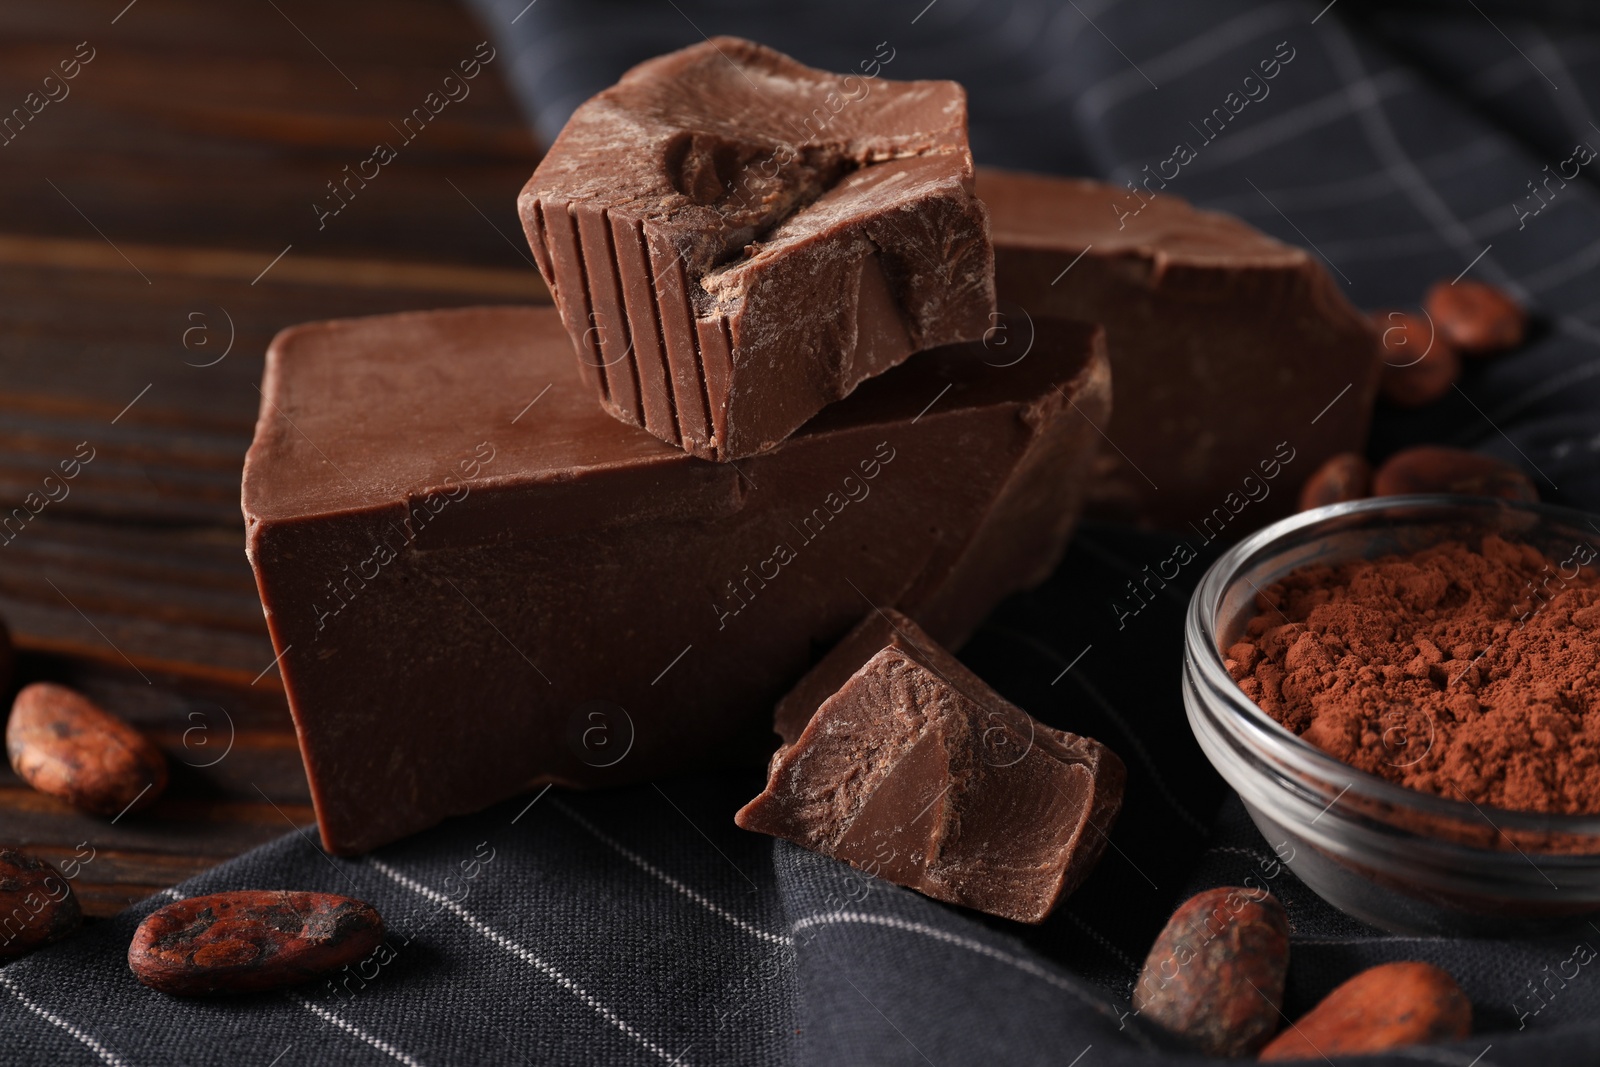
{"x":1224,"y":342}
{"x":478,"y":582}
{"x":900,"y":761}
{"x":736,"y":240}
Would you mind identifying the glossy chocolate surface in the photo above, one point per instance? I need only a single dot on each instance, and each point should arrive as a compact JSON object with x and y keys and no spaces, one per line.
{"x":478,"y":581}
{"x":736,"y":240}
{"x":1224,"y":344}
{"x":900,"y":761}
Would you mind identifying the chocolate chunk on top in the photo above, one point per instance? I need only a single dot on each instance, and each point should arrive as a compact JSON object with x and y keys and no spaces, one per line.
{"x":912,"y":769}
{"x":735,"y":239}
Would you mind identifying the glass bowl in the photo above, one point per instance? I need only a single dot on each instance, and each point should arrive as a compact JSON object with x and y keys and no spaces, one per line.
{"x":1397,"y":858}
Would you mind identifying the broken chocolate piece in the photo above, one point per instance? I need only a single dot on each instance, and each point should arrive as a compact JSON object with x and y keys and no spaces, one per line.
{"x":478,"y":581}
{"x":912,"y":769}
{"x":1224,"y":342}
{"x":736,"y":240}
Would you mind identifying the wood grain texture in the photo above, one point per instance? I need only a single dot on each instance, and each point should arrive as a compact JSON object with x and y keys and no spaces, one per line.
{"x":140,"y":239}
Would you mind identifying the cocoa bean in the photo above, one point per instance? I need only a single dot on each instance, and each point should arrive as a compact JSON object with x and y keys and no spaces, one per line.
{"x":1419,"y":365}
{"x":37,"y":905}
{"x":1388,"y":1006}
{"x":1435,"y":469}
{"x":1477,"y":319}
{"x":1346,"y":476}
{"x":1215,"y":974}
{"x":62,"y":743}
{"x":251,"y":940}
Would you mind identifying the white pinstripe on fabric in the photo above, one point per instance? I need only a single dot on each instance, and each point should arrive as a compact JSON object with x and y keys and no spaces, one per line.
{"x":1100,"y":939}
{"x":1573,"y":108}
{"x":1350,"y":191}
{"x":1233,"y":147}
{"x":355,"y":1031}
{"x":1391,"y":155}
{"x":1194,"y":52}
{"x":1052,"y":81}
{"x":1382,"y":138}
{"x":88,"y":1041}
{"x":1439,"y":1055}
{"x":1261,"y":857}
{"x":1559,"y":273}
{"x":1369,"y":940}
{"x":656,"y":872}
{"x":1417,"y":242}
{"x":1506,"y":74}
{"x":1081,"y":680}
{"x":1583,"y":313}
{"x":1292,"y":124}
{"x":526,"y":955}
{"x":1556,"y":384}
{"x":1020,"y":963}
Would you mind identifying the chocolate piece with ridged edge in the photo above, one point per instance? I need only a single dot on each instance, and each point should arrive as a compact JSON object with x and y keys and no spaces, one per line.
{"x":900,"y":761}
{"x":479,"y":582}
{"x":736,"y":240}
{"x":1224,"y":343}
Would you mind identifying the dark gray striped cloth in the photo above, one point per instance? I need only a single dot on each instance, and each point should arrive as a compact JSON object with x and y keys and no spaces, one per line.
{"x":639,"y":926}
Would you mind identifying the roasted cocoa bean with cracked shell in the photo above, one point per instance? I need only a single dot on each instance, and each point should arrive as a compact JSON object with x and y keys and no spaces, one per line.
{"x":1436,"y":469}
{"x":1389,"y":1006}
{"x":1343,"y":477}
{"x":37,"y":905}
{"x":1478,"y":319}
{"x":62,"y":743}
{"x":251,"y":940}
{"x":1215,"y":974}
{"x":1419,"y":364}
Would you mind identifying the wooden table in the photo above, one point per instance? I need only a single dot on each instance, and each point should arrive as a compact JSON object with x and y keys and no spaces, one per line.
{"x":159,"y":226}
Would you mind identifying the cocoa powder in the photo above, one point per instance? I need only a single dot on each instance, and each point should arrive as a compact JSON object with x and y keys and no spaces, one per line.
{"x":1465,"y":670}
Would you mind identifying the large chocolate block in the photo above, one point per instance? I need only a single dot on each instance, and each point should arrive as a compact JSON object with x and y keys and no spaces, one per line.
{"x":479,"y":581}
{"x":736,"y":240}
{"x":900,"y":761}
{"x":1224,"y":344}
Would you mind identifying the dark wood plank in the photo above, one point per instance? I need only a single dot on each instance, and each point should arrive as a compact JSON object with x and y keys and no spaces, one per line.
{"x":143,"y":219}
{"x":224,"y":121}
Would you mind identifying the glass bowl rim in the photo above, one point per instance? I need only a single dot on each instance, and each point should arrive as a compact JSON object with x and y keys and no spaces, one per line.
{"x":1239,"y":714}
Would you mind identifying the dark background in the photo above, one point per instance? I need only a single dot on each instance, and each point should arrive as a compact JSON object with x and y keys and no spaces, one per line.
{"x":140,"y":213}
{"x":165,"y":207}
